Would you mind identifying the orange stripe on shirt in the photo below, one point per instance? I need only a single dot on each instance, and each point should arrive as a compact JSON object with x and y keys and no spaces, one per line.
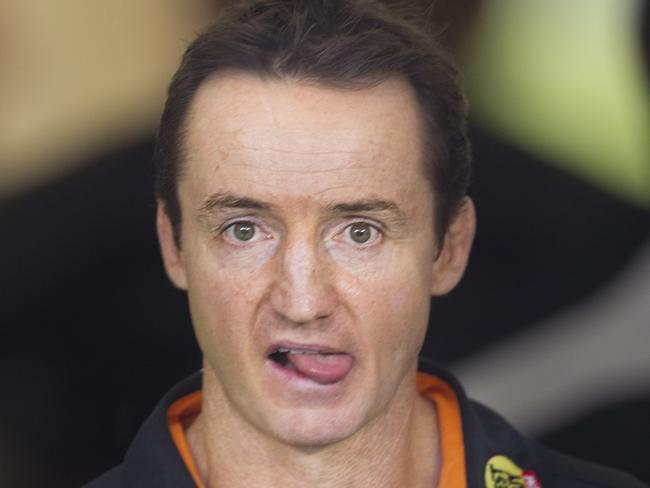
{"x":180,"y":415}
{"x":452,"y":473}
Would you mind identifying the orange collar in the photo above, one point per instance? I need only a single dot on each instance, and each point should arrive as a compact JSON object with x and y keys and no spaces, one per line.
{"x":452,"y":475}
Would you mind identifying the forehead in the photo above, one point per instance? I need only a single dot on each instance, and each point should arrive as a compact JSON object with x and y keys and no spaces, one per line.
{"x":304,"y":139}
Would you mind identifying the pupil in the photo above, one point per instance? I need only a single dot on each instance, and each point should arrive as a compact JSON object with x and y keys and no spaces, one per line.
{"x":360,"y":233}
{"x":244,"y":231}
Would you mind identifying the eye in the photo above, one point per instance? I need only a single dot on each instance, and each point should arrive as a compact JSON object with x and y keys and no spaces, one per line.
{"x":362,"y":233}
{"x":242,"y":231}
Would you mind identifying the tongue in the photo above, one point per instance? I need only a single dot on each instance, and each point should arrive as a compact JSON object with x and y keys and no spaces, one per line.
{"x":322,"y":368}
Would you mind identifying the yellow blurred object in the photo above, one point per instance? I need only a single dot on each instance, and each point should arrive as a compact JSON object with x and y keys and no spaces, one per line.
{"x":563,"y":79}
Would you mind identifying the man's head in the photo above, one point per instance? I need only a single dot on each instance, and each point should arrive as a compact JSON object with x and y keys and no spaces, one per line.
{"x":338,"y":43}
{"x":309,"y":247}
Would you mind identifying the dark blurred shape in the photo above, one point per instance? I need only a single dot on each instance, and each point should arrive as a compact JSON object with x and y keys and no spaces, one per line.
{"x":92,"y":333}
{"x":545,"y":241}
{"x":603,"y":436}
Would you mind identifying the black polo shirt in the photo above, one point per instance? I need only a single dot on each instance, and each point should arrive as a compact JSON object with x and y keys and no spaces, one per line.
{"x":495,"y":454}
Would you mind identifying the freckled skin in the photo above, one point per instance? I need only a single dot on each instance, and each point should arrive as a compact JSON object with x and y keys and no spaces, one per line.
{"x":302,"y":149}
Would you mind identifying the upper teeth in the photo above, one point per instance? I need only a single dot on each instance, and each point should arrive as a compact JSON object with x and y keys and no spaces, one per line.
{"x":296,"y":351}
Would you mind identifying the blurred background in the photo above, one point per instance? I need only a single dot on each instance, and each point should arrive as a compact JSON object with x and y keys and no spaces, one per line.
{"x":551,"y":325}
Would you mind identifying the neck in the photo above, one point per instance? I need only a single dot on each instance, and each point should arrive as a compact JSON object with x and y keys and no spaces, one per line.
{"x":397,"y":448}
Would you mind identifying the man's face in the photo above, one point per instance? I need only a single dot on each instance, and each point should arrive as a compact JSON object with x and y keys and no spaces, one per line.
{"x":307,"y":250}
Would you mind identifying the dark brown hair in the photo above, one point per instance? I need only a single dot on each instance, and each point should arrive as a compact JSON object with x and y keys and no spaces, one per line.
{"x":342,"y":42}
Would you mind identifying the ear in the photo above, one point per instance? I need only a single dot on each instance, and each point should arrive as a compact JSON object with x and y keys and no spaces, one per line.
{"x":449,"y":266}
{"x":171,"y":253}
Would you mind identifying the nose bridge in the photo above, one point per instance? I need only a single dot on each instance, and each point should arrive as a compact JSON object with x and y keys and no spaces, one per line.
{"x":303,"y":292}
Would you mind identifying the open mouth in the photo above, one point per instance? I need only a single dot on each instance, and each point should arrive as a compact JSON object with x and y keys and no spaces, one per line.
{"x":321,"y":366}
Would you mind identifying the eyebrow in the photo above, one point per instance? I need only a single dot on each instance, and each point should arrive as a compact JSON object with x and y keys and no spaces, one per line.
{"x":224,"y":201}
{"x":365,"y":206}
{"x":393,"y":213}
{"x":219,"y":201}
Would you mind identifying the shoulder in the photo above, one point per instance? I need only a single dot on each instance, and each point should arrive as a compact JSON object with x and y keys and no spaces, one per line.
{"x":497,"y":453}
{"x":569,"y":471}
{"x":152,"y":459}
{"x":553,"y":468}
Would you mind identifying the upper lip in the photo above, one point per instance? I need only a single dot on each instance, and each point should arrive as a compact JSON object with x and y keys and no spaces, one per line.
{"x":316,"y":348}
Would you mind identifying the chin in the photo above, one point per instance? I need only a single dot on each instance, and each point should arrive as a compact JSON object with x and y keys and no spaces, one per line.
{"x":314,"y":429}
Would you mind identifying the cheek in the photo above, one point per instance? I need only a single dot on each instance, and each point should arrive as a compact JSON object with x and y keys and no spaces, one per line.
{"x":223,"y":269}
{"x":392,"y":301}
{"x":395,"y":301}
{"x":399,"y":275}
{"x":224,"y":287}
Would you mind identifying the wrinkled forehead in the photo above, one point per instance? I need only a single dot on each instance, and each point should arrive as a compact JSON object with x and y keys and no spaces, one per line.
{"x":302,"y":136}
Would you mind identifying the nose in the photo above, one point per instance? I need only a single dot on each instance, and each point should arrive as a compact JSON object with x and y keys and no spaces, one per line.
{"x":303,"y":292}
